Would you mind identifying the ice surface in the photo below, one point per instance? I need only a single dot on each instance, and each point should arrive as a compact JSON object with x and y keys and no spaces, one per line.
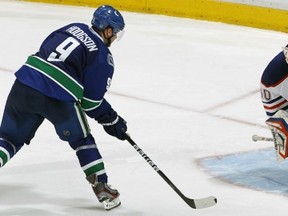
{"x":188,"y":89}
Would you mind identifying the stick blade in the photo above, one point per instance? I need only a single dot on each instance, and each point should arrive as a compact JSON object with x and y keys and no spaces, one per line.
{"x":201,"y":203}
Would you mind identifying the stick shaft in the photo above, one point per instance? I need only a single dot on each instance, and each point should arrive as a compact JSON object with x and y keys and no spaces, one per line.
{"x":193,"y":203}
{"x":154,"y":166}
{"x":256,"y":138}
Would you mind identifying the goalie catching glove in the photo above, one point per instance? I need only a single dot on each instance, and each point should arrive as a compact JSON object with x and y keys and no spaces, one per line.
{"x":278,"y":124}
{"x":114,"y":125}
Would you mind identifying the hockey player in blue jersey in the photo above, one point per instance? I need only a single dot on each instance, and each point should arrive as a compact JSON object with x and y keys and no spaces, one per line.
{"x":274,"y":94}
{"x":63,"y":82}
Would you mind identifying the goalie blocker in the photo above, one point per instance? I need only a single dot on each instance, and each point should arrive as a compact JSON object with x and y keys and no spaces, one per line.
{"x":278,"y":124}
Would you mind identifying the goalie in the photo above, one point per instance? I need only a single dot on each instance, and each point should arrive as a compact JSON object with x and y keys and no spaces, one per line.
{"x":274,"y":94}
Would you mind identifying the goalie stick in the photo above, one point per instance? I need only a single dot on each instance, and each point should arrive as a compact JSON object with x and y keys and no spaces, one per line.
{"x":279,"y":147}
{"x":256,"y":138}
{"x":193,"y":203}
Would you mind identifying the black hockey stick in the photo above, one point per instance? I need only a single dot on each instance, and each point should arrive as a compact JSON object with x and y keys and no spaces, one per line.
{"x":193,"y":203}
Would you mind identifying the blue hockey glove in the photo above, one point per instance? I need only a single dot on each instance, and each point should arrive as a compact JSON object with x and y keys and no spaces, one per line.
{"x":114,"y":125}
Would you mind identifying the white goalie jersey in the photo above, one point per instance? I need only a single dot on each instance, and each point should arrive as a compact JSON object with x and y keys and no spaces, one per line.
{"x":274,"y":95}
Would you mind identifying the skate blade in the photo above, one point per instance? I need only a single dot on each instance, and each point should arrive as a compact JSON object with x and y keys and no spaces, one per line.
{"x":110,"y":204}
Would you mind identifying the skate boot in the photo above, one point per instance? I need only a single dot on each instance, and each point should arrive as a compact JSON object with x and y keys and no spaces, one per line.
{"x":106,"y":195}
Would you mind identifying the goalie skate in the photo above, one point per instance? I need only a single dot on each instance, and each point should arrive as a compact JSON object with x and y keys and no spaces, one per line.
{"x":278,"y":124}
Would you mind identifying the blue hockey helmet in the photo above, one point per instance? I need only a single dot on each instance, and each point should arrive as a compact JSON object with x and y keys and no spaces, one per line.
{"x":107,"y":16}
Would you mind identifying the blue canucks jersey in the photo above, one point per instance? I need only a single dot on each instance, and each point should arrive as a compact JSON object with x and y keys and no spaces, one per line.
{"x":72,"y":64}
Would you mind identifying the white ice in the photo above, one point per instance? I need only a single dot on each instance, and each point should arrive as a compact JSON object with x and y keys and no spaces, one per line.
{"x":188,"y":89}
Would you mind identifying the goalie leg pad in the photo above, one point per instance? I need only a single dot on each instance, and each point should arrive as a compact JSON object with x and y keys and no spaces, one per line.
{"x":278,"y":124}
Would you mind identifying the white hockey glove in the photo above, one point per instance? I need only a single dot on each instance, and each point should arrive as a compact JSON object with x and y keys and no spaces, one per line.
{"x":278,"y":124}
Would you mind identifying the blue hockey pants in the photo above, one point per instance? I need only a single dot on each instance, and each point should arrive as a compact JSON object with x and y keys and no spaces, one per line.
{"x":25,"y":111}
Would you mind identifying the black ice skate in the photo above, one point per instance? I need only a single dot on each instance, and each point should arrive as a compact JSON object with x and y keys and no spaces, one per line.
{"x":106,"y":195}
